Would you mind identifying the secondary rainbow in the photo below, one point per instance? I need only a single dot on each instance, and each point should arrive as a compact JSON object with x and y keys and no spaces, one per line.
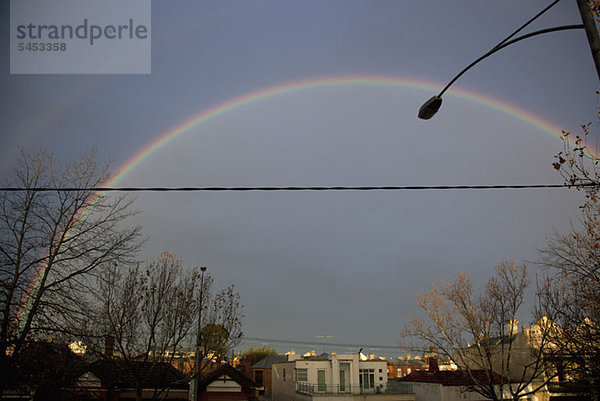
{"x":335,"y":81}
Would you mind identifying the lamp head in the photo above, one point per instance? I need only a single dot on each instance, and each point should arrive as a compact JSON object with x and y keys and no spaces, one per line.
{"x":430,"y":107}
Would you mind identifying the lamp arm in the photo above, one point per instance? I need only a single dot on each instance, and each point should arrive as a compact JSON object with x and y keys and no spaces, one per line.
{"x":527,"y":23}
{"x":508,"y":43}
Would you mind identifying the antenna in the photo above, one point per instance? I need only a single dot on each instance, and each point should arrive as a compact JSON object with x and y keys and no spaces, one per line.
{"x":323,"y":338}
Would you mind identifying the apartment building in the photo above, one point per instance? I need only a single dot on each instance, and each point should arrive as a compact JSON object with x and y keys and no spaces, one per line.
{"x":343,"y":377}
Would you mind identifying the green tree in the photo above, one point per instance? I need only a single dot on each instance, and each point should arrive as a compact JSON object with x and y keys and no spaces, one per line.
{"x":258,"y":353}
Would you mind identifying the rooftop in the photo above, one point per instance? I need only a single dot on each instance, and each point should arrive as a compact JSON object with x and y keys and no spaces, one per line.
{"x":453,"y":377}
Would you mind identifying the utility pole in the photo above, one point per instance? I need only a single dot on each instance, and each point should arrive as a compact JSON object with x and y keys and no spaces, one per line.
{"x":591,"y":31}
{"x":199,"y":337}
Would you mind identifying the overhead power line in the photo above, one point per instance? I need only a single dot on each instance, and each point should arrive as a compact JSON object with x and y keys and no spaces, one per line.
{"x":300,"y":188}
{"x":318,"y":343}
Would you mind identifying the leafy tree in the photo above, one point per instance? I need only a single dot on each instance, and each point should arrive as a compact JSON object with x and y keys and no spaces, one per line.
{"x":214,"y":340}
{"x":256,"y":354}
{"x":52,"y":241}
{"x":478,"y":332}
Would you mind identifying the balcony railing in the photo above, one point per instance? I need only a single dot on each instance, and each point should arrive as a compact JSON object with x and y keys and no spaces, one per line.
{"x":312,"y":388}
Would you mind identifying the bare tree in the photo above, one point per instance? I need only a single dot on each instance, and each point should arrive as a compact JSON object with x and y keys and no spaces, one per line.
{"x":51,"y":242}
{"x":152,"y":313}
{"x":148,"y":312}
{"x":479,"y":333}
{"x":571,"y":291}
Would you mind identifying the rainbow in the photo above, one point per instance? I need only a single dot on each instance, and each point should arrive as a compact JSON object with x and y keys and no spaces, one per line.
{"x":297,"y":86}
{"x":324,"y":82}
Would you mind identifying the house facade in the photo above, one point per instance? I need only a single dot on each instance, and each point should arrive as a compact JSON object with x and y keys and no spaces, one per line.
{"x":226,"y":383}
{"x":261,"y":372}
{"x":327,"y":376}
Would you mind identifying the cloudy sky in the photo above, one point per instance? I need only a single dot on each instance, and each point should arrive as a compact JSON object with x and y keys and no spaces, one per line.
{"x":342,"y":264}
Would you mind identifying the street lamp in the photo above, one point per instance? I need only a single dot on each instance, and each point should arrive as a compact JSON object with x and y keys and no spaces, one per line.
{"x":431,"y":106}
{"x":199,"y":336}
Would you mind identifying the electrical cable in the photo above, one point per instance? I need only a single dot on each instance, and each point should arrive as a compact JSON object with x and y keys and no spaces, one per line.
{"x":318,"y":343}
{"x":300,"y":188}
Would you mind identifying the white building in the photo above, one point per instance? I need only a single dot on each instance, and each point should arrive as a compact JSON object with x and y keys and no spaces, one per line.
{"x":343,"y":376}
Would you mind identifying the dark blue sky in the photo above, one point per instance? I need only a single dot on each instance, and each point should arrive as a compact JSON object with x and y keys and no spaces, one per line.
{"x":341,"y":264}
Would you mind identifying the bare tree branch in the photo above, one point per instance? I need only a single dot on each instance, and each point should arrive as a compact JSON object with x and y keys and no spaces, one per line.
{"x":479,"y":333}
{"x":51,"y":241}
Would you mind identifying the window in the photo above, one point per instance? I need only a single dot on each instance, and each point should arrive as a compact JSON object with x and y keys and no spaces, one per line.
{"x":283,"y":374}
{"x":321,"y":386}
{"x":344,"y":371}
{"x":258,"y":377}
{"x":301,"y":375}
{"x":366,"y":378}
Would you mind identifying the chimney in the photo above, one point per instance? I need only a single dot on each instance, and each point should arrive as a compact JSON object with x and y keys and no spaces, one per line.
{"x":371,"y":356}
{"x":431,"y":354}
{"x":246,"y":365}
{"x":109,"y":346}
{"x":433,"y":365}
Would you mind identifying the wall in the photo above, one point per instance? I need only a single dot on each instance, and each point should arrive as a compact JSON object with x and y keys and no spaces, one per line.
{"x":380,"y":371}
{"x":266,"y":379}
{"x":283,"y":390}
{"x":438,"y":392}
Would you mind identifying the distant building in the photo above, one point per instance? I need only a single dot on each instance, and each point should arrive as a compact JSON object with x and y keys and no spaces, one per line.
{"x":398,"y":368}
{"x":327,"y":376}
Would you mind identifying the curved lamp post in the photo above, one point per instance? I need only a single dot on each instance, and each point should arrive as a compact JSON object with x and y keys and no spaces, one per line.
{"x":431,"y":106}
